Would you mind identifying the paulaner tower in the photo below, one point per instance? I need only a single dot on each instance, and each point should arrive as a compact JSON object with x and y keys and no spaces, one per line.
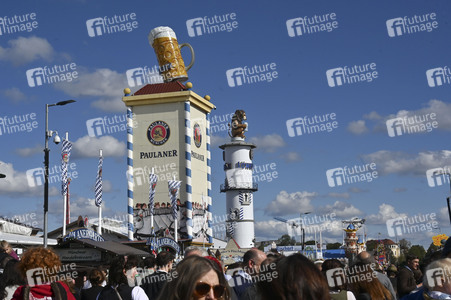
{"x":238,"y":186}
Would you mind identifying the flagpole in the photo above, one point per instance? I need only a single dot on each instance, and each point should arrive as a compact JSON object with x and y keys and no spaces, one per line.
{"x":99,"y":228}
{"x":175,"y":224}
{"x":65,"y":200}
{"x":204,"y":219}
{"x":151,"y":208}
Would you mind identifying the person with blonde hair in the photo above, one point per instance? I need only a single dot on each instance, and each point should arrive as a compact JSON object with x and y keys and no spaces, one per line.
{"x":6,"y":247}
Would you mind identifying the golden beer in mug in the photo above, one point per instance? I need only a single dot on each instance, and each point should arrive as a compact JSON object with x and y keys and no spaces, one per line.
{"x":164,"y":42}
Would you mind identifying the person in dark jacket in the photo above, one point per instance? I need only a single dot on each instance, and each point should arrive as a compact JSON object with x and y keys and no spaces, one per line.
{"x":153,"y":284}
{"x":117,"y":287}
{"x":96,"y":278}
{"x":406,"y":279}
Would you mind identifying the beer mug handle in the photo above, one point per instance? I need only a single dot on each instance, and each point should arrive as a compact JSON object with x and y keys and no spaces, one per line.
{"x":192,"y":55}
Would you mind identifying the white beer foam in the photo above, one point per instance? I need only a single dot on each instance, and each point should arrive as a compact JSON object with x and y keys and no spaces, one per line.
{"x":159,"y":32}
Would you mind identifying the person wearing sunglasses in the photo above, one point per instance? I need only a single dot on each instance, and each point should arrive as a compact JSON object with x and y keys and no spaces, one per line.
{"x":196,"y":278}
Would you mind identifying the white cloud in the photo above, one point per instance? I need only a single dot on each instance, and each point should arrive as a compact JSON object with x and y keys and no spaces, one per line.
{"x":27,"y":152}
{"x":16,"y":183}
{"x":105,"y":84}
{"x":443,"y":216}
{"x":14,"y":95}
{"x":386,"y":212}
{"x":269,"y":143}
{"x":341,"y":210}
{"x":440,"y":108}
{"x":374,"y":116}
{"x":270,"y":229}
{"x":89,"y":147}
{"x":402,"y":163}
{"x":25,"y":50}
{"x":289,"y":204}
{"x":357,"y":127}
{"x":291,"y":156}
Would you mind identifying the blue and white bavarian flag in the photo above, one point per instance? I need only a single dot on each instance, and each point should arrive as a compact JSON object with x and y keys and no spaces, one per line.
{"x":98,"y":187}
{"x":174,"y":188}
{"x":153,"y":179}
{"x":65,"y":154}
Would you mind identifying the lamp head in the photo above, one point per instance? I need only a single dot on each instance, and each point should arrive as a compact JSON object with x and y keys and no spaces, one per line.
{"x":56,"y":139}
{"x":65,"y":102}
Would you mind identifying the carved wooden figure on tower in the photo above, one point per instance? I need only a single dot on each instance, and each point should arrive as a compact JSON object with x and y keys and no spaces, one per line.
{"x":238,"y":126}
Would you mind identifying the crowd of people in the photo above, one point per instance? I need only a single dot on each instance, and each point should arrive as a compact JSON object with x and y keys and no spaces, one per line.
{"x":39,"y":274}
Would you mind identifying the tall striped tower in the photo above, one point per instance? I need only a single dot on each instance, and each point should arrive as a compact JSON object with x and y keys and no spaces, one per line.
{"x":239,"y":188}
{"x":169,"y":133}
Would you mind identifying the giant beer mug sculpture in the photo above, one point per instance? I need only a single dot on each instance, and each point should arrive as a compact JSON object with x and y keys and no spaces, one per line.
{"x":167,"y":49}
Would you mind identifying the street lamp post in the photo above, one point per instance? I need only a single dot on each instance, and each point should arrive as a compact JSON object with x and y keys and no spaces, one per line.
{"x":302,"y":229}
{"x":49,"y":134}
{"x":448,"y":199}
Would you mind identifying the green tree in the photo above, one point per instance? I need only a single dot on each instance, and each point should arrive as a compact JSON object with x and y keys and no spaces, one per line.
{"x":286,"y":240}
{"x":417,"y":250}
{"x":333,"y":246}
{"x":404,"y":246}
{"x":310,"y":242}
{"x":432,"y":248}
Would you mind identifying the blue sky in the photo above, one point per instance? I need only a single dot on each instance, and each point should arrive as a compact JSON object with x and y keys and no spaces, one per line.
{"x":300,"y":89}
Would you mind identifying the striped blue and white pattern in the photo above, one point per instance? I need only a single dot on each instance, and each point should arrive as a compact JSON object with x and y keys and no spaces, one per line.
{"x":153,"y":179}
{"x":245,"y":198}
{"x":98,"y":187}
{"x":230,"y":227}
{"x":130,"y":172}
{"x":209,"y":203}
{"x":65,"y":151}
{"x":241,"y":214}
{"x":174,"y":188}
{"x":189,"y":198}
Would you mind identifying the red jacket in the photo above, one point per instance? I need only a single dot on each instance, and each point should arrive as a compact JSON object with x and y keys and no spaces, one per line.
{"x":43,"y":291}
